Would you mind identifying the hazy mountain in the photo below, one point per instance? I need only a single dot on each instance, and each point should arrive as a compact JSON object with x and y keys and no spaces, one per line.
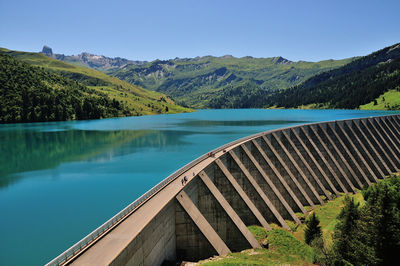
{"x":98,"y":62}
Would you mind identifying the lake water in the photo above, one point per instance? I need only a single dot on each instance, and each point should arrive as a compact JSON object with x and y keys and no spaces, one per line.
{"x":59,"y":181}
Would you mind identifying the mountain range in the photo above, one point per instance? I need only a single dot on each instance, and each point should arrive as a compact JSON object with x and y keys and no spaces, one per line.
{"x":208,"y":81}
{"x":221,"y":82}
{"x":51,"y":87}
{"x":98,"y":62}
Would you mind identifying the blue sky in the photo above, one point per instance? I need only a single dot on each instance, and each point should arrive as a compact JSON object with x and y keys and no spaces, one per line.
{"x":147,"y":30}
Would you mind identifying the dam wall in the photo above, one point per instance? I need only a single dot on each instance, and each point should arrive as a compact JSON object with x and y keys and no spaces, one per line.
{"x":204,"y":209}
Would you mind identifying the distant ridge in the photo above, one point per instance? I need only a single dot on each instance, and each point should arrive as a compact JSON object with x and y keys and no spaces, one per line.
{"x":209,"y":81}
{"x":222,"y":82}
{"x":99,"y":62}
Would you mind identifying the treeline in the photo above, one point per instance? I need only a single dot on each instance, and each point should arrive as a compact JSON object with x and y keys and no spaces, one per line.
{"x":31,"y":94}
{"x":350,"y":86}
{"x":246,"y":94}
{"x":367,"y":234}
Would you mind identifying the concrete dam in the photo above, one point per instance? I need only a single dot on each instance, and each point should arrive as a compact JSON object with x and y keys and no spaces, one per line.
{"x":204,"y":208}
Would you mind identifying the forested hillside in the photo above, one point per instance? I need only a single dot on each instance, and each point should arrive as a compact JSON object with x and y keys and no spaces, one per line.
{"x":358,"y":83}
{"x":31,"y":94}
{"x":48,"y":75}
{"x":222,"y":82}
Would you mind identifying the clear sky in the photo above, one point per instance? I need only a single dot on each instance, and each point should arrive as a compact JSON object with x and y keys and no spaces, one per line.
{"x":146,"y":30}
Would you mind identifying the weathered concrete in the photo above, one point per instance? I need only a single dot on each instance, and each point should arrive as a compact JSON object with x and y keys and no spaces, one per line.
{"x":270,"y":158}
{"x":263,"y":170}
{"x":288,"y":171}
{"x":393,"y":137}
{"x":389,"y":141}
{"x":260,"y":192}
{"x":349,"y":155}
{"x":229,"y":210}
{"x":333,"y":175}
{"x":380,"y":164}
{"x":333,"y":159}
{"x":378,"y":143}
{"x":206,"y":208}
{"x":301,"y":175}
{"x":243,"y":195}
{"x":319,"y":170}
{"x":158,"y":237}
{"x":364,"y":155}
{"x":202,"y":223}
{"x":383,"y":137}
{"x":311,"y":171}
{"x":272,"y":185}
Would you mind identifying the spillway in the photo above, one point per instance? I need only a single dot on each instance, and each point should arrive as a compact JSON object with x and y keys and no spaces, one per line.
{"x":204,"y":208}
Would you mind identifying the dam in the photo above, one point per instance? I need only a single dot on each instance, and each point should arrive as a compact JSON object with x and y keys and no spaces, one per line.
{"x":204,"y":208}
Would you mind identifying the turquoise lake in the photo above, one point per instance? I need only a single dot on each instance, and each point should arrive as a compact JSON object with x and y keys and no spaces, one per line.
{"x":59,"y":181}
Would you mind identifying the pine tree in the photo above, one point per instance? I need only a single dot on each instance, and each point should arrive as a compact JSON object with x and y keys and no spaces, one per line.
{"x":344,"y":245}
{"x":383,"y":210}
{"x":313,"y":229}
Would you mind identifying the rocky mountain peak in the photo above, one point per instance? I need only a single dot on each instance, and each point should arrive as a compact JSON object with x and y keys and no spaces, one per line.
{"x":280,"y":60}
{"x":47,"y":51}
{"x":100,"y":62}
{"x":227,"y":56}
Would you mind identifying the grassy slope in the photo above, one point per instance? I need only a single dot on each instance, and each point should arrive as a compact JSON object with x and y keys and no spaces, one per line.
{"x":32,"y":94}
{"x":327,"y":215}
{"x":142,"y":101}
{"x":286,"y":247}
{"x":390,"y":100}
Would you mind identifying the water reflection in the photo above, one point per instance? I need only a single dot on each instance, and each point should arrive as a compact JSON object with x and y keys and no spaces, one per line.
{"x":240,"y":123}
{"x":35,"y":147}
{"x":26,"y":150}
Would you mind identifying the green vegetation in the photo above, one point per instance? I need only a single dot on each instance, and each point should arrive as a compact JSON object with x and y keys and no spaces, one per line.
{"x":283,"y":248}
{"x":56,"y":80}
{"x":288,"y":247}
{"x":370,"y":234}
{"x":222,"y":82}
{"x":313,"y":229}
{"x":259,"y":232}
{"x":31,"y":94}
{"x":369,"y":82}
{"x":359,"y":229}
{"x":390,"y":100}
{"x":360,"y":83}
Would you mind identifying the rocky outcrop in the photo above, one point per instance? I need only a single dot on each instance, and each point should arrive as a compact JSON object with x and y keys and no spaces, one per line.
{"x":99,"y":62}
{"x":281,"y":61}
{"x":47,"y":51}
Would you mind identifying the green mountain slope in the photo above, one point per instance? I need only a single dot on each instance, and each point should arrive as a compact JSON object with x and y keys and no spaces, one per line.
{"x":137,"y":101}
{"x":221,"y":82}
{"x":360,"y":83}
{"x":31,"y":94}
{"x":390,"y":100}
